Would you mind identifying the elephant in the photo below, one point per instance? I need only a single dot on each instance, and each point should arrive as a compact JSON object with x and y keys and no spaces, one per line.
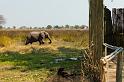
{"x":37,"y":37}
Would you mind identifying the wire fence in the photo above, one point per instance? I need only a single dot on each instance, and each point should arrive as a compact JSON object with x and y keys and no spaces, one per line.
{"x":115,"y":59}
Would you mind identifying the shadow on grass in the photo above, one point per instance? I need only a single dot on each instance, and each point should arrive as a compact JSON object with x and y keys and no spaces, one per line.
{"x":40,"y":58}
{"x":69,"y":52}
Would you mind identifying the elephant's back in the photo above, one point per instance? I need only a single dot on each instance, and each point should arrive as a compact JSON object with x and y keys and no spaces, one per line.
{"x":34,"y":34}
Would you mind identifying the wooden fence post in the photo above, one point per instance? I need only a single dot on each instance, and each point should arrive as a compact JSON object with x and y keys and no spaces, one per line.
{"x":118,"y":25}
{"x":96,"y":35}
{"x":118,"y":28}
{"x":96,"y":23}
{"x":119,"y":67}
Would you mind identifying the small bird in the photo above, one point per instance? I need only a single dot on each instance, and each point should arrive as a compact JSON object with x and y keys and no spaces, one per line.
{"x":62,"y":73}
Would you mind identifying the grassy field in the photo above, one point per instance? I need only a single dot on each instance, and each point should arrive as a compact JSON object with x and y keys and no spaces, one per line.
{"x":37,"y":63}
{"x":80,"y":37}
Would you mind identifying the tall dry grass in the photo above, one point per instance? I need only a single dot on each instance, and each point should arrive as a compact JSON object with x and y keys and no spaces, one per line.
{"x":80,"y":37}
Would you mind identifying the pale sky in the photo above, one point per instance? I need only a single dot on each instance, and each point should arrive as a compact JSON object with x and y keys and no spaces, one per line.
{"x":48,"y":12}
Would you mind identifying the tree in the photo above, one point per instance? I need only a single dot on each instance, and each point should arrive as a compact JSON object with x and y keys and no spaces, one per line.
{"x":30,"y":27}
{"x":8,"y":28}
{"x":42,"y":27}
{"x":35,"y":27}
{"x":2,"y":20}
{"x":67,"y":26}
{"x":1,"y":27}
{"x":71,"y":27}
{"x":76,"y":26}
{"x":49,"y":27}
{"x":56,"y":27}
{"x":82,"y":26}
{"x":14,"y":27}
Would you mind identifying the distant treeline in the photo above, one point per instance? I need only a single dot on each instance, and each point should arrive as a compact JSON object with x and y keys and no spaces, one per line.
{"x":48,"y":27}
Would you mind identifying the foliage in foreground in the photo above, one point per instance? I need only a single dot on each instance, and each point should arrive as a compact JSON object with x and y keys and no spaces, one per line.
{"x":37,"y":65}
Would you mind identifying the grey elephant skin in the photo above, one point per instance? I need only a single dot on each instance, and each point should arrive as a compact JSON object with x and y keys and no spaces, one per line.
{"x":37,"y":37}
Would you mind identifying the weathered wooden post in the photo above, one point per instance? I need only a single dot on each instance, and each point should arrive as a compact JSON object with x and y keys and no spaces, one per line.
{"x":96,"y":35}
{"x":118,"y":24}
{"x":96,"y":28}
{"x":108,"y":28}
{"x":119,"y":67}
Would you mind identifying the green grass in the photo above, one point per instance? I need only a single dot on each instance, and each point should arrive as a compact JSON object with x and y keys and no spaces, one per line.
{"x":34,"y":63}
{"x":37,"y":65}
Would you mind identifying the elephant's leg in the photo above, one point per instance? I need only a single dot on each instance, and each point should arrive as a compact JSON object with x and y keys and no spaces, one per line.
{"x":49,"y":40}
{"x":31,"y":42}
{"x":47,"y":36}
{"x":42,"y":41}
